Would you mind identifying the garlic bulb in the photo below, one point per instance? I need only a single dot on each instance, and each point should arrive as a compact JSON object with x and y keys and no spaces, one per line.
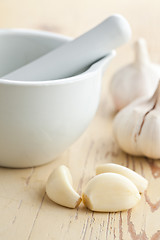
{"x":137,"y":127}
{"x":135,"y":80}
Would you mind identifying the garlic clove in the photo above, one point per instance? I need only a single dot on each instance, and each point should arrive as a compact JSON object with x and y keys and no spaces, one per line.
{"x":110,"y":192}
{"x":135,"y":80}
{"x":59,"y":188}
{"x":140,"y":182}
{"x":137,"y":127}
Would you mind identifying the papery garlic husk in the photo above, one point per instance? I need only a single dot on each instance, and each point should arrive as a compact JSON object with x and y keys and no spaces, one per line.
{"x":135,"y":80}
{"x":137,"y":127}
{"x":140,"y":182}
{"x":60,"y":190}
{"x":110,"y":192}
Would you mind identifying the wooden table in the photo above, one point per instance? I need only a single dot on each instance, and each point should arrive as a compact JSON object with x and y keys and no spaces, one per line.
{"x":26,"y":213}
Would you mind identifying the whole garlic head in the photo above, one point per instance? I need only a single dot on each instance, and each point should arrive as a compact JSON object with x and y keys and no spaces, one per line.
{"x":135,"y":80}
{"x":137,"y":127}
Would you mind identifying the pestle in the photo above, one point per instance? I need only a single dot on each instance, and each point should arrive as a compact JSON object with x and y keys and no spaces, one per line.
{"x":74,"y":57}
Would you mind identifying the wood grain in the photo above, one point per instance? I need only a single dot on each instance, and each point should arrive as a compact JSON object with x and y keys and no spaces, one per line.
{"x":25,"y":210}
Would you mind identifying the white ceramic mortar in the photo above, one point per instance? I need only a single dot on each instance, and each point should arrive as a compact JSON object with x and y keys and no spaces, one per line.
{"x":39,"y":120}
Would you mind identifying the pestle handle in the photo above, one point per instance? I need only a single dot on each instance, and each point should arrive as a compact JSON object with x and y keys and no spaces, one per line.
{"x":75,"y":56}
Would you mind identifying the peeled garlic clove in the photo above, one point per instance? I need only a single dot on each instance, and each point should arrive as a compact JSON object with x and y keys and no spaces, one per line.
{"x":137,"y":127}
{"x":110,"y":192}
{"x":135,"y":80}
{"x":59,"y":188}
{"x":140,"y":182}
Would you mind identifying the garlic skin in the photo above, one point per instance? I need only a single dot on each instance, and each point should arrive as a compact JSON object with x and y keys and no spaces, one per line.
{"x":135,"y":80}
{"x":59,"y":188}
{"x":137,"y":127}
{"x":140,"y":182}
{"x":110,"y":192}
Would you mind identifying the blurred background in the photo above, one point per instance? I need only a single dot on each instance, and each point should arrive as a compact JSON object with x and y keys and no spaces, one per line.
{"x":72,"y":18}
